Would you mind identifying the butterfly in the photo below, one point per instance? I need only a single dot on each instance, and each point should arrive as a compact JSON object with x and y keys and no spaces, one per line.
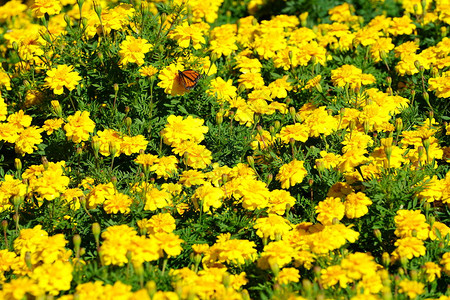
{"x":188,"y":78}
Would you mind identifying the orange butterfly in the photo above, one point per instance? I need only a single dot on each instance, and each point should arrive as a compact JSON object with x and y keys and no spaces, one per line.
{"x":188,"y":78}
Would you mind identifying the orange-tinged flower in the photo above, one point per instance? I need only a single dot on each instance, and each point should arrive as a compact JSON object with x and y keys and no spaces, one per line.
{"x":50,"y":7}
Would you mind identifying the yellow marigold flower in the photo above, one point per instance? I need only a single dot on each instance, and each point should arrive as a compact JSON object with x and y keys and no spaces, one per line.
{"x":184,"y":34}
{"x":251,"y":80}
{"x":206,"y":196}
{"x":9,"y":132}
{"x":409,"y":247}
{"x":272,"y":227}
{"x":443,"y":229}
{"x":54,"y":277}
{"x":298,"y":132}
{"x":406,"y":49}
{"x":440,"y":85}
{"x":60,"y":77}
{"x":98,"y":194}
{"x":116,"y":203}
{"x":132,"y":50}
{"x":352,"y":76}
{"x":155,"y":199}
{"x":334,"y":275}
{"x":330,"y":209}
{"x":320,"y":122}
{"x":20,"y":288}
{"x":291,"y":174}
{"x":196,"y":156}
{"x":280,"y":201}
{"x":117,"y":242}
{"x":3,"y":109}
{"x":356,"y":205}
{"x":178,"y":130}
{"x":146,"y":160}
{"x":28,"y":139}
{"x":432,"y":270}
{"x":401,"y":25}
{"x":143,"y":249}
{"x":109,"y":139}
{"x":248,"y":65}
{"x":200,"y":248}
{"x":165,"y":167}
{"x":227,"y":250}
{"x":51,"y":125}
{"x":222,"y":90}
{"x":20,"y":119}
{"x":51,"y":183}
{"x":192,"y":177}
{"x":50,"y":7}
{"x":359,"y":264}
{"x":29,"y":240}
{"x":288,"y":275}
{"x":7,"y":259}
{"x":411,"y":223}
{"x":445,"y":262}
{"x":72,"y":196}
{"x":148,"y":71}
{"x":5,"y":80}
{"x":169,"y":243}
{"x":254,"y":193}
{"x":381,"y":45}
{"x":276,"y":255}
{"x":133,"y":144}
{"x":79,"y":126}
{"x":411,"y":288}
{"x":163,"y":222}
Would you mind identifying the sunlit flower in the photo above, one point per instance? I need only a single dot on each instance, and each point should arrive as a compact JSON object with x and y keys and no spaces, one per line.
{"x":291,"y":174}
{"x":133,"y":50}
{"x":63,"y":76}
{"x":79,"y":126}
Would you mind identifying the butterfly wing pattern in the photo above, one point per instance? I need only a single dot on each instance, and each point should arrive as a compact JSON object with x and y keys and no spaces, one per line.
{"x":189,"y":78}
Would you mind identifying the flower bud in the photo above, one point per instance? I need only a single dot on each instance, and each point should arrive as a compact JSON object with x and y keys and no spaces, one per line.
{"x":377,"y":234}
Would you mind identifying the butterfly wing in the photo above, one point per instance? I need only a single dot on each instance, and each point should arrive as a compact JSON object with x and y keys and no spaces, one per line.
{"x":188,"y":78}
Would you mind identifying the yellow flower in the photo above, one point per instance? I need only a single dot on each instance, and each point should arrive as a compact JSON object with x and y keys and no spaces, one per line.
{"x":432,"y":270}
{"x":60,"y":77}
{"x":288,"y":275}
{"x":155,"y":199}
{"x":165,"y":167}
{"x":409,"y":247}
{"x":186,"y":33}
{"x":272,"y":227}
{"x":79,"y":126}
{"x":280,"y":201}
{"x":206,"y":196}
{"x":330,"y":209}
{"x":350,"y":75}
{"x":356,"y":205}
{"x":276,"y":255}
{"x":409,"y":221}
{"x":222,"y":90}
{"x":51,"y":125}
{"x":132,"y":50}
{"x":148,"y":71}
{"x":297,"y":132}
{"x":411,"y":287}
{"x":291,"y":174}
{"x":163,"y":222}
{"x":98,"y":194}
{"x":50,"y":7}
{"x":178,"y":130}
{"x":28,"y":139}
{"x":133,"y":144}
{"x":54,"y":277}
{"x":196,"y":156}
{"x":334,"y":275}
{"x":116,"y":203}
{"x":169,"y":243}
